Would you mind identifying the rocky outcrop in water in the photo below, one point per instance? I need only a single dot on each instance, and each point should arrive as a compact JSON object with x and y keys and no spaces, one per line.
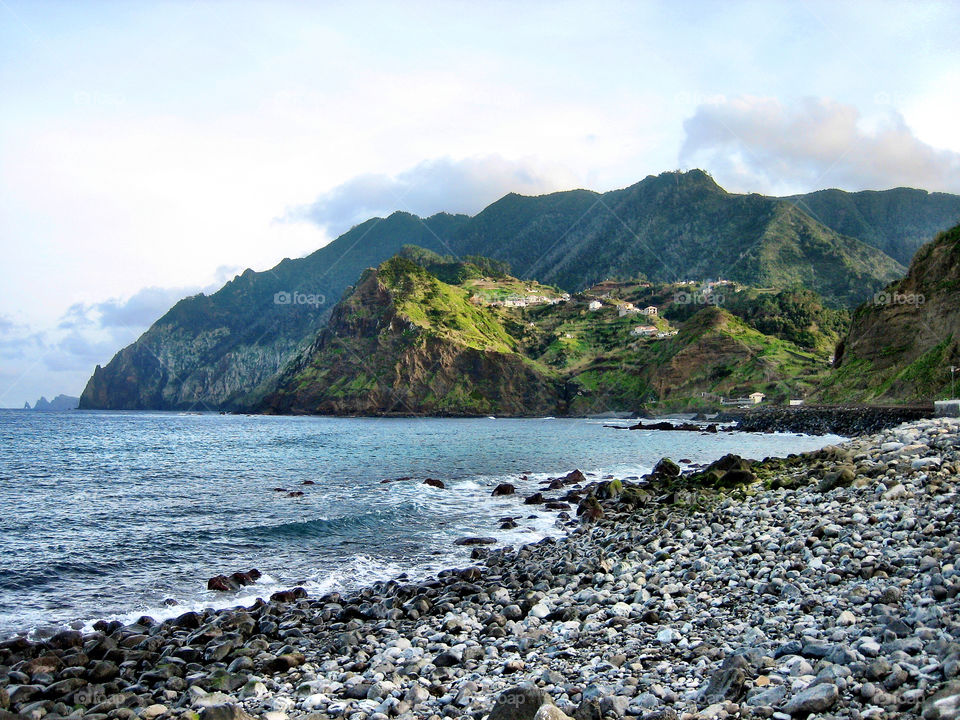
{"x":58,"y":404}
{"x":847,"y":421}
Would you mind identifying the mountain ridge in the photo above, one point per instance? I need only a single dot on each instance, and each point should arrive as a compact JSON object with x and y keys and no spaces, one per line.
{"x":210,"y":351}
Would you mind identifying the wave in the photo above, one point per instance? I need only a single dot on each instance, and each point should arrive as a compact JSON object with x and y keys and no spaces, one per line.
{"x":322,"y":527}
{"x":57,"y":572}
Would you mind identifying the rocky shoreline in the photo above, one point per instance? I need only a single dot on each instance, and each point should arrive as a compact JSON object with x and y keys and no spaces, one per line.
{"x":817,"y":585}
{"x":812,"y":420}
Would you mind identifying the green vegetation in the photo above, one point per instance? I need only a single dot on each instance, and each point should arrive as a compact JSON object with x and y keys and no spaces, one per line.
{"x":229,"y":349}
{"x":901,"y":349}
{"x":405,"y":341}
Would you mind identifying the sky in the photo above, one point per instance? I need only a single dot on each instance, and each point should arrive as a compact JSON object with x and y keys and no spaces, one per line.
{"x":153,"y":150}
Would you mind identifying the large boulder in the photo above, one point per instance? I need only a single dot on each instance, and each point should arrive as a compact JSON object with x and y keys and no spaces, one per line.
{"x":814,"y":699}
{"x":735,"y":478}
{"x":224,"y":583}
{"x":666,"y":468}
{"x":475,"y":541}
{"x":590,"y":509}
{"x":843,"y":476}
{"x":944,"y":704}
{"x":573,"y":477}
{"x":503,"y":489}
{"x":226,"y":711}
{"x":520,"y":703}
{"x":727,"y":682}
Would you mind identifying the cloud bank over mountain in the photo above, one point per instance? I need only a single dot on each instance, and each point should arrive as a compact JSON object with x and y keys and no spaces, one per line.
{"x":758,"y":142}
{"x":439,"y":185}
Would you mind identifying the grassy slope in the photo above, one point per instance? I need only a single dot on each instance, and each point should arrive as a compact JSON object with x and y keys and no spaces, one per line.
{"x":903,"y":352}
{"x":591,"y":353}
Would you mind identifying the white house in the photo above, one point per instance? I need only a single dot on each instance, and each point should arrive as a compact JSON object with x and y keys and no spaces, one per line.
{"x":649,"y":310}
{"x":796,"y":403}
{"x":756,"y":397}
{"x":627,"y":309}
{"x":644,"y":331}
{"x":595,"y":305}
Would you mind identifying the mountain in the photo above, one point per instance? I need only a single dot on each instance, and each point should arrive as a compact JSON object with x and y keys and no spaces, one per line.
{"x":213,"y":351}
{"x":405,"y":342}
{"x":59,"y":403}
{"x":670,"y":227}
{"x":895,"y":221}
{"x":903,"y":342}
{"x":208,"y":351}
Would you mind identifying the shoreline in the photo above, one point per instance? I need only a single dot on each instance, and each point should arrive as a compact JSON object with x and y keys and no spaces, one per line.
{"x":632,"y":613}
{"x":845,"y":420}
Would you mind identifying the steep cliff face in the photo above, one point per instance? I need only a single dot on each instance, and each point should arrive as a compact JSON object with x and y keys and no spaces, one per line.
{"x":902,"y":342}
{"x":405,"y":343}
{"x":208,"y":352}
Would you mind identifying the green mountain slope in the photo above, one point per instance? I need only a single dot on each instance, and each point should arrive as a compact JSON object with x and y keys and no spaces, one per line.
{"x":211,"y":351}
{"x":902,"y":343}
{"x":895,"y":221}
{"x":404,"y":342}
{"x":670,"y":227}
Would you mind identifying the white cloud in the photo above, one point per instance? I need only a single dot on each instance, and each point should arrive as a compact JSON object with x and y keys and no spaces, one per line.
{"x":441,"y":185}
{"x":750,"y":143}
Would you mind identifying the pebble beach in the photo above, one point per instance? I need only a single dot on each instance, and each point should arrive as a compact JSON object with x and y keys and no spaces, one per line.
{"x":820,"y":585}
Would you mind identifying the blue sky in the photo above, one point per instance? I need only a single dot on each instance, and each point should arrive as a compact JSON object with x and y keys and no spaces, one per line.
{"x":150,"y":150}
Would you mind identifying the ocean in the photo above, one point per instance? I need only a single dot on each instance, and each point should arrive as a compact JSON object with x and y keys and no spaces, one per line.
{"x":121,"y":514}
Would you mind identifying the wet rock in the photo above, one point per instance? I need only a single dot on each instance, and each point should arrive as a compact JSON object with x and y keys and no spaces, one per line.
{"x":590,"y":509}
{"x":66,"y":639}
{"x":288,"y":596}
{"x":666,"y":467}
{"x":224,"y":583}
{"x":434,"y":483}
{"x":503,"y":489}
{"x":283,"y":663}
{"x":475,"y":541}
{"x":573,"y":477}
